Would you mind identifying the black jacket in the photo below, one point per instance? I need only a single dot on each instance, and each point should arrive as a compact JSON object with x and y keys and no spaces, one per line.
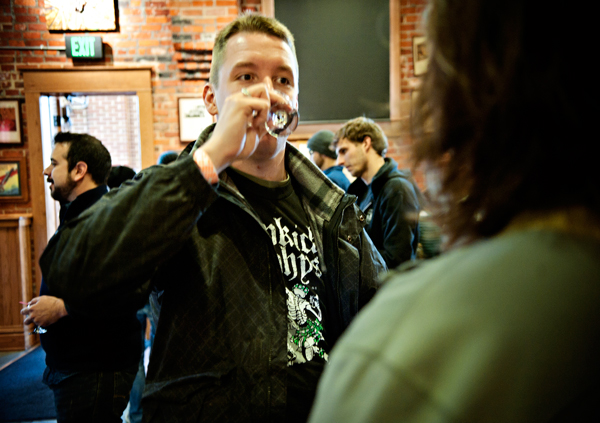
{"x":391,"y":204}
{"x":84,"y":343}
{"x":220,"y":350}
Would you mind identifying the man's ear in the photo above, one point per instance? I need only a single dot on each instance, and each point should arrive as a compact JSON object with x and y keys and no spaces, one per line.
{"x":367,"y":143}
{"x":210,"y":99}
{"x":79,"y":171}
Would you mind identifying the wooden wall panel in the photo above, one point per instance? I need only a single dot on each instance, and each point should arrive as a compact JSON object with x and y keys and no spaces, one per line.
{"x":15,"y":282}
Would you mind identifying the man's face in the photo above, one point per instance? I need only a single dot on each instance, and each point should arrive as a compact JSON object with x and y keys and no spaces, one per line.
{"x":59,"y":177}
{"x":317,"y":158}
{"x":353,"y":156}
{"x":252,"y":58}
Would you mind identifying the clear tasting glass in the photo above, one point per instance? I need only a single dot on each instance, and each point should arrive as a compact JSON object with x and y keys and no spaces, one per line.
{"x":282,"y":119}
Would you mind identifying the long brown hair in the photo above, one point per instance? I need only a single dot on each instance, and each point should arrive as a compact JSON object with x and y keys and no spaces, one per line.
{"x":504,"y":115}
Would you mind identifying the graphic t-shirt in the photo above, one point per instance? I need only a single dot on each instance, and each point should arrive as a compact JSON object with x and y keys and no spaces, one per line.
{"x":285,"y":221}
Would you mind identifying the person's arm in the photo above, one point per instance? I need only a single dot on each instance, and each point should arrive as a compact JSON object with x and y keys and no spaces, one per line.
{"x":44,"y":310}
{"x":100,"y":261}
{"x":399,"y":217}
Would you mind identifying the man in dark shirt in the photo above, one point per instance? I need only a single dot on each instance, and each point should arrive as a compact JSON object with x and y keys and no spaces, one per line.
{"x":388,"y":196}
{"x":91,"y":363}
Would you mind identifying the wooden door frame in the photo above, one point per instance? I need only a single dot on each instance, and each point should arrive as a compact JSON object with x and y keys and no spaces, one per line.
{"x":82,"y":80}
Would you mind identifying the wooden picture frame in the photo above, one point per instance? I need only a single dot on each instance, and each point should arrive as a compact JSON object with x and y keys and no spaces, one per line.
{"x":10,"y":122}
{"x":13,"y":180}
{"x":78,"y":16}
{"x":193,"y":118}
{"x":420,"y":55}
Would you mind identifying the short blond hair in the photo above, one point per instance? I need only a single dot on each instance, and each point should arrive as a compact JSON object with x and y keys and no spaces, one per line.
{"x":247,"y":23}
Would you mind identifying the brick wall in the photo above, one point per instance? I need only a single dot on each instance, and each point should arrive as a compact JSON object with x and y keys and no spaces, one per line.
{"x":151,"y":32}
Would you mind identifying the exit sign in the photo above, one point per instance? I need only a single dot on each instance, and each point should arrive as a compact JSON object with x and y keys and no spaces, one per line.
{"x":84,"y":47}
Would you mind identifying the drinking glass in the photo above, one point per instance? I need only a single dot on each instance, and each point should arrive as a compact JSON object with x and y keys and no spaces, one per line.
{"x":282,"y":119}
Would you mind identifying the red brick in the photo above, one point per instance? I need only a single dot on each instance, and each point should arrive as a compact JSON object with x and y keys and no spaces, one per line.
{"x":135,"y":19}
{"x":128,"y":11}
{"x":157,"y":20}
{"x":32,"y":35}
{"x":151,"y":27}
{"x":411,"y":18}
{"x":148,"y":43}
{"x":26,"y":18}
{"x":225,"y":19}
{"x":34,"y":60}
{"x":157,"y":12}
{"x":34,"y":43}
{"x":38,"y":27}
{"x":191,"y":12}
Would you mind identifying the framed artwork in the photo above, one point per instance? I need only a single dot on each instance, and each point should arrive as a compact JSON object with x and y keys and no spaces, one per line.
{"x":193,"y":118}
{"x":82,"y":16}
{"x":420,"y":55}
{"x":10,"y":122}
{"x":13,"y":180}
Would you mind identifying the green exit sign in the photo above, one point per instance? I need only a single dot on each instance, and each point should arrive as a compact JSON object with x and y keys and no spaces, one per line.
{"x":83,"y":47}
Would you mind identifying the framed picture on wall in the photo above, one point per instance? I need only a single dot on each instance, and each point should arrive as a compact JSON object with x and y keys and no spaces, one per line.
{"x":420,"y":55}
{"x":77,"y":15}
{"x":193,"y":118}
{"x":10,"y":122}
{"x":13,"y":180}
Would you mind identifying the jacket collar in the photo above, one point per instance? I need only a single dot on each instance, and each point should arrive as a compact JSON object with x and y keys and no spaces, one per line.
{"x":322,"y":195}
{"x":82,"y":202}
{"x":386,"y":172}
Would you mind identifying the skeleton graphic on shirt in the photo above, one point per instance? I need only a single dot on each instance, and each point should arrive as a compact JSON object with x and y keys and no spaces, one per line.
{"x":298,"y":260}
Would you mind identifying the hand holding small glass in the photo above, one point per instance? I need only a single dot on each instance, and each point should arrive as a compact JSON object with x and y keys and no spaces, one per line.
{"x":43,"y":311}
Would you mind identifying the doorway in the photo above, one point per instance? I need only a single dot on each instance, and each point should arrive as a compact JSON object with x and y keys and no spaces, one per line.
{"x":111,"y":118}
{"x":77,"y":82}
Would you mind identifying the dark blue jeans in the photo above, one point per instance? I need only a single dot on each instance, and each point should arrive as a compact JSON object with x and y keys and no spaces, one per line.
{"x":90,"y":396}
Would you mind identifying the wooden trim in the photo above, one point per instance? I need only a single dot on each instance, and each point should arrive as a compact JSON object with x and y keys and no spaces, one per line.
{"x":391,"y":129}
{"x":11,"y":329}
{"x":26,"y":273}
{"x":37,"y":193}
{"x":84,"y":80}
{"x":146,"y":126}
{"x":51,"y":81}
{"x":68,"y":67}
{"x":395,"y":65}
{"x":26,"y":216}
{"x":267,"y":8}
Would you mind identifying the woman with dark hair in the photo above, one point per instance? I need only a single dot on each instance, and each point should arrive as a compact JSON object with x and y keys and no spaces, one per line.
{"x":503,"y":326}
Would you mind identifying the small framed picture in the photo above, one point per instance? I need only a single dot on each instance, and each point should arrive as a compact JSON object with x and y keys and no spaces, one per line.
{"x":420,"y":55}
{"x":10,"y":122}
{"x":81,"y":16}
{"x":13,"y":180}
{"x":193,"y":118}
